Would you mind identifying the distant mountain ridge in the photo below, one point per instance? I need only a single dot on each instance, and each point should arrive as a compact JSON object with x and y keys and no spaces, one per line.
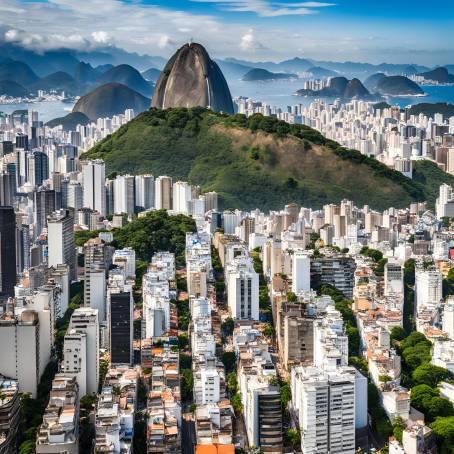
{"x":262,"y":75}
{"x":339,"y":87}
{"x":440,"y":75}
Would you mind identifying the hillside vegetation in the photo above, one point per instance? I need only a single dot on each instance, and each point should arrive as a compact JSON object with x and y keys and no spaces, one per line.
{"x":255,"y":162}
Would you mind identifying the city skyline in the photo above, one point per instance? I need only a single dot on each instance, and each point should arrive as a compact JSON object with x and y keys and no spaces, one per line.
{"x":393,"y":32}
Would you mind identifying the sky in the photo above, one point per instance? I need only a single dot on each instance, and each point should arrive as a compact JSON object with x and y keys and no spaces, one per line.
{"x":375,"y":31}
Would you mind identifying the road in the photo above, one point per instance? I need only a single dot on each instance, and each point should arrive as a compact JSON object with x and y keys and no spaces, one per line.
{"x":188,"y":439}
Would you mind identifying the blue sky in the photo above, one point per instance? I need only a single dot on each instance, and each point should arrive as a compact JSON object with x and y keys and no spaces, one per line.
{"x":361,"y":30}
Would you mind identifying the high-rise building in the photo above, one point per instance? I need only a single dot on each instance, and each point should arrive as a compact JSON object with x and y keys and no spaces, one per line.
{"x":144,"y":192}
{"x":325,"y":405}
{"x":44,"y":206}
{"x":243,"y":289}
{"x":81,"y":350}
{"x":94,"y":181}
{"x":124,"y":199}
{"x":61,"y":247}
{"x":182,"y":194}
{"x":10,"y":415}
{"x":25,"y":350}
{"x":163,"y":193}
{"x":428,"y":288}
{"x":38,"y":168}
{"x":8,"y":269}
{"x":121,"y":327}
{"x":301,"y":272}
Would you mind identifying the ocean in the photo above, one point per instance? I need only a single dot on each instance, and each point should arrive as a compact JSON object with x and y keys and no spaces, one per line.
{"x":274,"y":93}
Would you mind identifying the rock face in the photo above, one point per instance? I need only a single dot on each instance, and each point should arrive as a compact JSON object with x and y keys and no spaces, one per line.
{"x":189,"y":79}
{"x":110,"y":99}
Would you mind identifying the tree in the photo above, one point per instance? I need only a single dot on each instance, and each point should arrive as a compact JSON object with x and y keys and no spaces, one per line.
{"x":236,"y":403}
{"x":187,"y":384}
{"x":397,"y":333}
{"x":443,"y":428}
{"x":414,"y":338}
{"x":421,"y":395}
{"x":192,"y":408}
{"x":291,"y":297}
{"x":228,"y":326}
{"x":268,"y":330}
{"x":292,"y":437}
{"x":229,"y":361}
{"x":430,"y":375}
{"x":232,"y":382}
{"x":286,"y":393}
{"x":398,"y":427}
{"x":440,"y":407}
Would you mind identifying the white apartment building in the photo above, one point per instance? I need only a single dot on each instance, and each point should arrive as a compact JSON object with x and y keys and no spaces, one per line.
{"x":394,"y":278}
{"x":443,"y":354}
{"x":124,"y":194}
{"x":81,"y":350}
{"x":428,"y":288}
{"x":126,"y":258}
{"x":242,"y":289}
{"x":325,"y":405}
{"x":61,"y":248}
{"x":182,"y":194}
{"x":448,"y":317}
{"x":94,"y":185}
{"x":156,"y":313}
{"x":144,"y":196}
{"x":301,"y":272}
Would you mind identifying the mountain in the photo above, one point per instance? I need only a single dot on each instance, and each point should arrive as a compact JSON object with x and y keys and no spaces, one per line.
{"x":70,"y":121}
{"x":440,"y":75}
{"x":85,"y":73}
{"x":254,"y":162}
{"x":151,"y":74}
{"x":296,"y":64}
{"x":372,"y":81}
{"x":116,"y":56}
{"x":430,"y":109}
{"x":355,"y":89}
{"x":398,"y":86}
{"x":43,"y":62}
{"x":261,"y":75}
{"x":232,"y":69}
{"x":191,"y":78}
{"x":10,"y":88}
{"x":56,"y":81}
{"x":110,"y":99}
{"x":18,"y":72}
{"x":126,"y":75}
{"x":319,"y":73}
{"x":339,"y":87}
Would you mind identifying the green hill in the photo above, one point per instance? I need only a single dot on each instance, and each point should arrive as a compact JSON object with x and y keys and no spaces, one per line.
{"x":255,"y":162}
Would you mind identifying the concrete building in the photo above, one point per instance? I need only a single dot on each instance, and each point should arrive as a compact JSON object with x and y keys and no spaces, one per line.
{"x":163,"y":193}
{"x":242,"y":289}
{"x":10,"y":415}
{"x":81,"y":350}
{"x":61,"y":247}
{"x":325,"y":405}
{"x":94,"y":189}
{"x":301,"y":272}
{"x":59,"y":431}
{"x":124,"y":196}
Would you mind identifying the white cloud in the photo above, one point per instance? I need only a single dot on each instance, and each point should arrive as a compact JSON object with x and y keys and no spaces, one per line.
{"x":266,"y":8}
{"x":249,"y":42}
{"x":101,"y":37}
